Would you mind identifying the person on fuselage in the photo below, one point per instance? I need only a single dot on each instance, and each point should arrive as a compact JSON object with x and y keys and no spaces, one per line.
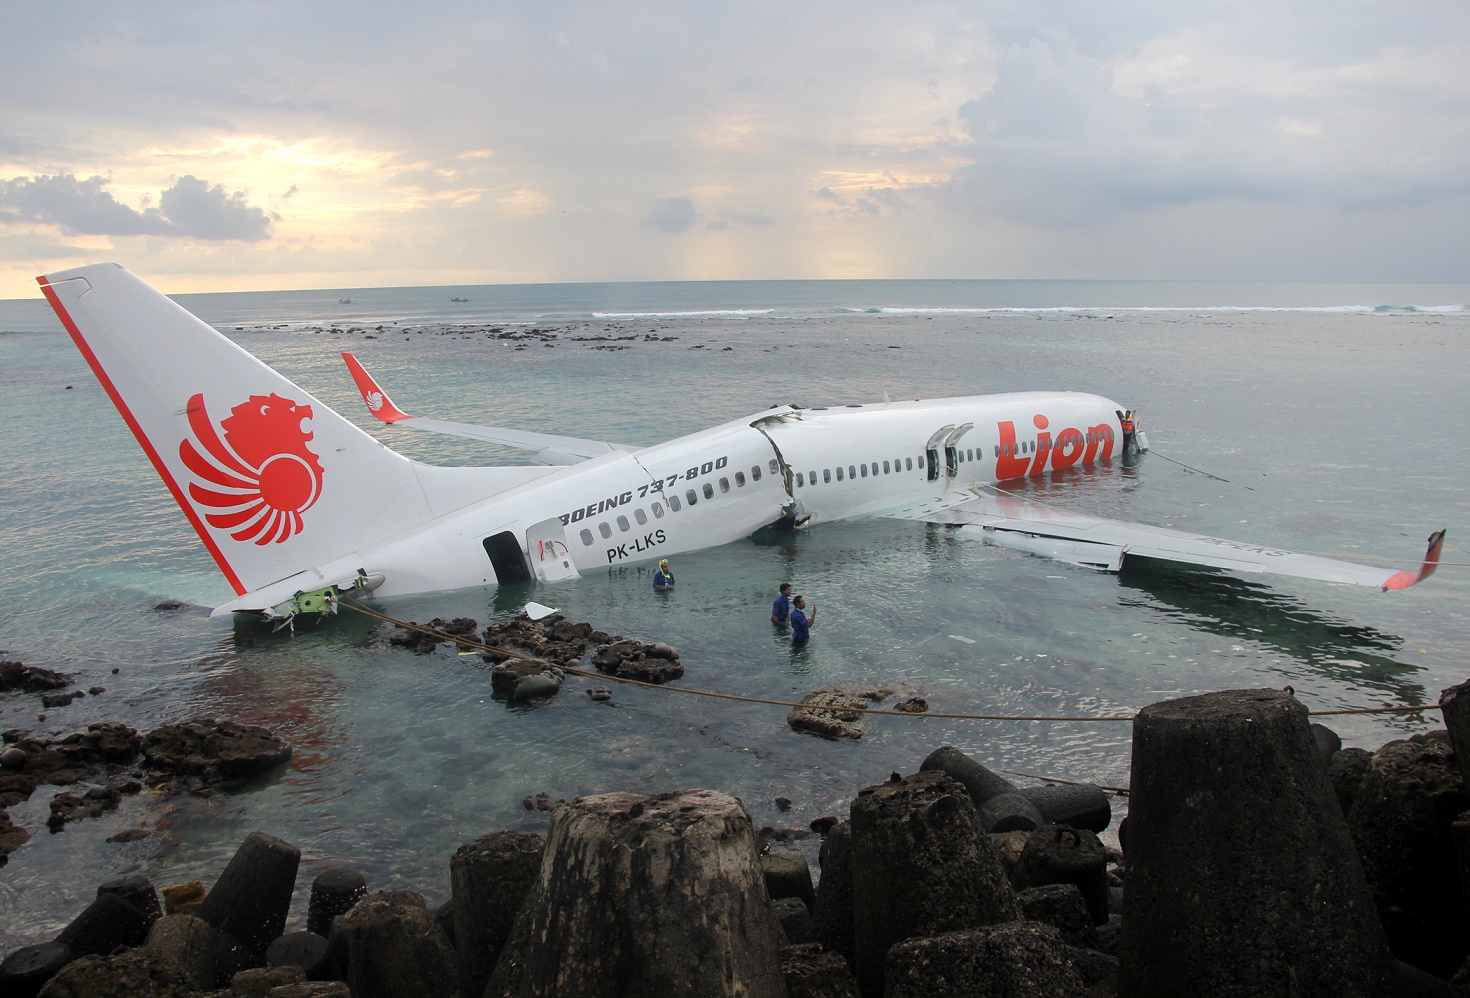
{"x":663,"y":578}
{"x":1128,"y":429}
{"x":781,"y":609}
{"x":800,"y":623}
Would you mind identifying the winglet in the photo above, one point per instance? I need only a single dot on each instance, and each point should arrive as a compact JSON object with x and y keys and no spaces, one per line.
{"x":1403,"y":580}
{"x":378,"y":402}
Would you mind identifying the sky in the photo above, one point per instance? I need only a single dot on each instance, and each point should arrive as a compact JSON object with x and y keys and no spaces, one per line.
{"x":232,"y":145}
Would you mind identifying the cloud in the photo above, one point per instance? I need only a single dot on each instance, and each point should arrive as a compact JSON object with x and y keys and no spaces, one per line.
{"x":672,"y":215}
{"x":205,"y":212}
{"x":190,"y":208}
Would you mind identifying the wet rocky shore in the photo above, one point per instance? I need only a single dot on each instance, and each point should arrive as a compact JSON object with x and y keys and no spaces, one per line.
{"x":1259,"y":858}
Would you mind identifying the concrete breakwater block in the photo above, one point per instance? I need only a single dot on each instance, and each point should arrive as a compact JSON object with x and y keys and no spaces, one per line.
{"x":490,"y":879}
{"x":333,"y":893}
{"x":921,"y":865}
{"x":1403,"y":824}
{"x":1241,"y":876}
{"x":832,"y":914}
{"x":252,"y":897}
{"x":645,"y":895}
{"x":395,"y":948}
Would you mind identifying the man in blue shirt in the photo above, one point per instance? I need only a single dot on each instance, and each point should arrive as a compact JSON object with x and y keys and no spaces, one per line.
{"x":800,"y":622}
{"x":663,"y":578}
{"x":781,"y":609}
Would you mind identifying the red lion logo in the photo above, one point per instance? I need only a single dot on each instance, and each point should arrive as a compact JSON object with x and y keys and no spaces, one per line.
{"x":262,"y":476}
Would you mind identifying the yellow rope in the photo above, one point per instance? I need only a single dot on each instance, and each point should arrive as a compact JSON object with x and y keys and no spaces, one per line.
{"x":586,"y":673}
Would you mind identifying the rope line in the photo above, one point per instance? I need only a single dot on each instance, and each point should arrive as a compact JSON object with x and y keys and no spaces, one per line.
{"x":589,"y":674}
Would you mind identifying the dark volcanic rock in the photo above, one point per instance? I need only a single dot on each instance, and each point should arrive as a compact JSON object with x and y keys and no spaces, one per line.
{"x":813,"y":972}
{"x":840,"y":722}
{"x":640,"y":660}
{"x":213,"y":751}
{"x":133,"y":972}
{"x":30,"y":679}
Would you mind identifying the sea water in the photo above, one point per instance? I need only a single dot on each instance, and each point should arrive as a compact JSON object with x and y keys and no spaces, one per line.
{"x":1328,"y":419}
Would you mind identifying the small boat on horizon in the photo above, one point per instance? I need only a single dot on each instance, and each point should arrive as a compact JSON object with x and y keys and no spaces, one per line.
{"x":457,"y":298}
{"x":344,"y":301}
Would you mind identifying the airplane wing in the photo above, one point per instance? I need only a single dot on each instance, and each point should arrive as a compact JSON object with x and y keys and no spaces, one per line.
{"x":1095,"y":542}
{"x":550,"y":448}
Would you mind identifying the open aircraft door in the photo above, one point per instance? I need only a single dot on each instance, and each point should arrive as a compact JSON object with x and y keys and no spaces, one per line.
{"x":548,"y":551}
{"x":931,"y":450}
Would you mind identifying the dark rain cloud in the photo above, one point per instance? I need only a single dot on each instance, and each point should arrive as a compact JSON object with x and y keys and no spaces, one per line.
{"x":81,"y":207}
{"x":673,"y":215}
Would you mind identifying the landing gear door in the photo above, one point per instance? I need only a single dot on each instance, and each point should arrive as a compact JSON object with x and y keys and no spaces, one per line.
{"x":548,"y":551}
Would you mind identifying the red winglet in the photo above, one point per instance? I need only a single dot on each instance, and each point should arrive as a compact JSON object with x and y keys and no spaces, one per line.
{"x":1403,"y":580}
{"x":377,"y":400}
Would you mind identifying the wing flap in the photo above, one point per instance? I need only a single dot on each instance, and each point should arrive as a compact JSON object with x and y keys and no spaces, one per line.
{"x":1040,"y":529}
{"x":549,"y":448}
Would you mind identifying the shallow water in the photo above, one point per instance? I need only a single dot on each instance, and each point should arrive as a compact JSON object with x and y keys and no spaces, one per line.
{"x":1335,"y":432}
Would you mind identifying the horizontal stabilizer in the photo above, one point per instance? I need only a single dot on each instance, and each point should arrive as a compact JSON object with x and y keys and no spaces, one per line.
{"x":1097,"y":542}
{"x":549,"y":448}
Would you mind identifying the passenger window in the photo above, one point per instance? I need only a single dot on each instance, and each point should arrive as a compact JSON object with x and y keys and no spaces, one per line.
{"x":885,"y":468}
{"x":709,"y":491}
{"x":690,"y":497}
{"x":640,"y":516}
{"x":864,"y":468}
{"x":755,"y":474}
{"x":812,"y":475}
{"x":724,"y":484}
{"x":775,"y":468}
{"x":826,"y":475}
{"x":852,"y":471}
{"x":604,"y":529}
{"x":740,"y":479}
{"x":908,"y":464}
{"x":658,"y":511}
{"x":875,"y":469}
{"x":800,"y":478}
{"x":673,"y":502}
{"x":997,"y":450}
{"x":586,"y":537}
{"x":623,"y":524}
{"x":839,"y":473}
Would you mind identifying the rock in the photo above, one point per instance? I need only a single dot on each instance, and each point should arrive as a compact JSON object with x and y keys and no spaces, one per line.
{"x":13,"y":758}
{"x":214,"y":751}
{"x":395,"y":948}
{"x":29,"y":679}
{"x":1402,"y":823}
{"x":490,"y":879}
{"x":1242,"y":879}
{"x":913,"y":705}
{"x":666,"y":888}
{"x":182,"y":899}
{"x":835,"y":723}
{"x":979,"y":782}
{"x":647,"y":663}
{"x":812,"y":972}
{"x":1454,"y":705}
{"x":258,"y":982}
{"x":12,"y":837}
{"x":1013,"y":959}
{"x":921,"y":866}
{"x":128,"y":974}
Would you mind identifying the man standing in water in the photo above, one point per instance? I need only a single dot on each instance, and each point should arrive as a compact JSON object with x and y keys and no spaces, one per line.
{"x":781,"y":609}
{"x":800,"y":623}
{"x":663,"y":578}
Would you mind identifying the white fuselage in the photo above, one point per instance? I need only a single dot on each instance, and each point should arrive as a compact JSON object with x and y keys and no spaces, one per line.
{"x":721,"y":484}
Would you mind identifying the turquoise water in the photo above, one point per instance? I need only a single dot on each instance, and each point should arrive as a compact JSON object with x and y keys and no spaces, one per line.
{"x":1336,"y":423}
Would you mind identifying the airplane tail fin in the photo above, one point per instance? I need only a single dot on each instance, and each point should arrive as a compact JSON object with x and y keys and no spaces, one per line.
{"x":274,"y":482}
{"x":1403,"y":580}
